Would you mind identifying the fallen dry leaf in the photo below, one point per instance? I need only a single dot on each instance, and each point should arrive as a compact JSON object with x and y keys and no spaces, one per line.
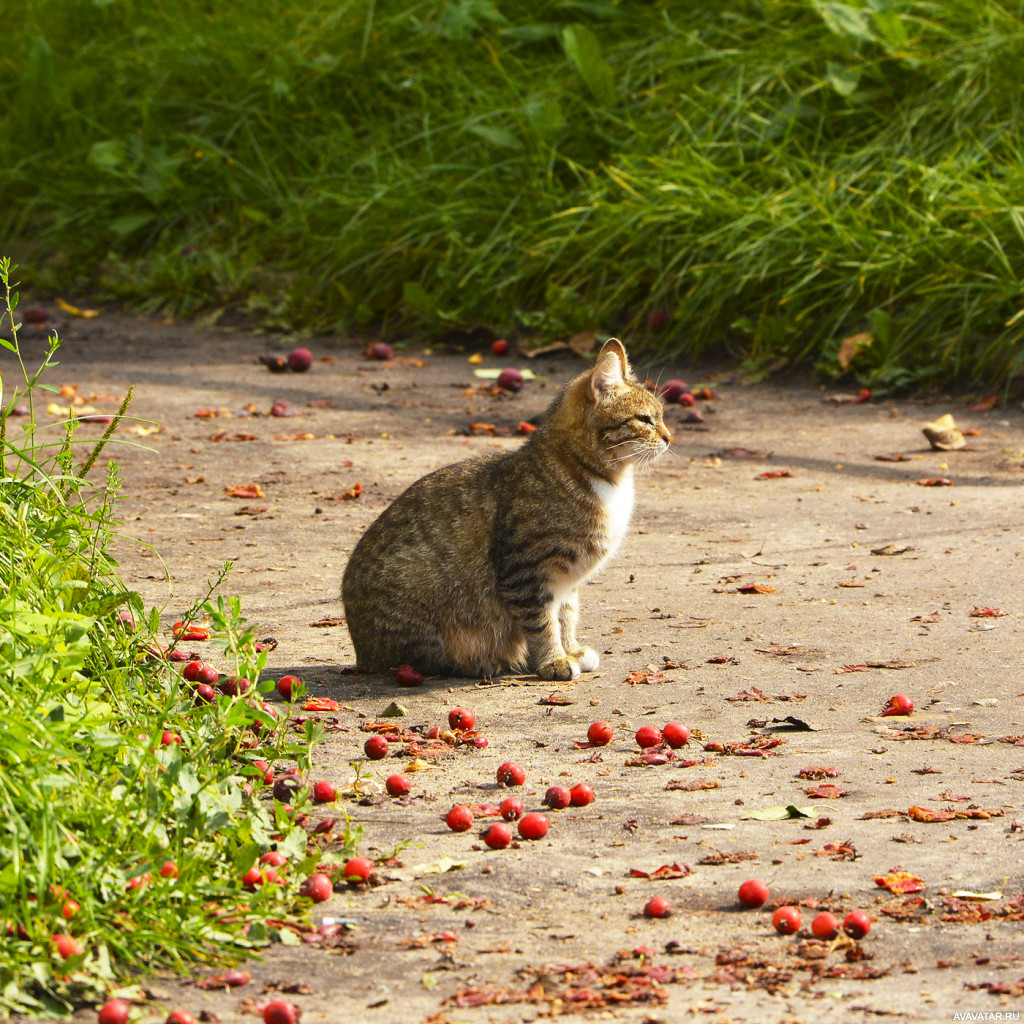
{"x":828,"y":791}
{"x":900,"y":882}
{"x":756,"y":588}
{"x":246,"y":491}
{"x":935,"y":481}
{"x":665,"y":871}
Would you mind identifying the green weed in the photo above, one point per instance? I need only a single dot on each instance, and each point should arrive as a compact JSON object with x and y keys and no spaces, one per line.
{"x":109,"y":769}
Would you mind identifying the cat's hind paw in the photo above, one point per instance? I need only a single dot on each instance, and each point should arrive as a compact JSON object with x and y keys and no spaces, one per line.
{"x":559,"y":669}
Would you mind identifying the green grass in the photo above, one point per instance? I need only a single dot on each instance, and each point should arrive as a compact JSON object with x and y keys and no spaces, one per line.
{"x":90,"y":796}
{"x":776,"y":174}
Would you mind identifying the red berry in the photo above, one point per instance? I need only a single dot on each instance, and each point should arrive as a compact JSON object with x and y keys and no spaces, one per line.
{"x":280,"y":1011}
{"x":378,"y":350}
{"x":557,"y":797}
{"x":511,"y":808}
{"x":169,"y":870}
{"x":114,"y":1011}
{"x":317,"y":887}
{"x":358,"y":868}
{"x":825,"y":926}
{"x":459,"y":818}
{"x":648,"y":736}
{"x":675,"y":734}
{"x":461,"y":718}
{"x":857,"y":924}
{"x":899,"y":704}
{"x":204,"y":694}
{"x":600,"y":733}
{"x":510,"y":379}
{"x":138,"y":882}
{"x":406,"y":675}
{"x":673,"y":389}
{"x":398,"y":785}
{"x":286,"y":686}
{"x":786,"y":920}
{"x":286,"y":786}
{"x":533,"y":826}
{"x":208,"y":674}
{"x":581,"y":794}
{"x":300,"y":359}
{"x":498,"y":835}
{"x":70,"y":908}
{"x":658,"y":906}
{"x":167,"y":737}
{"x":180,"y":1017}
{"x":253,"y":878}
{"x":686,"y":399}
{"x":510,"y":774}
{"x":753,"y":893}
{"x":275,"y":858}
{"x":376,"y":747}
{"x":191,"y":671}
{"x":235,"y":686}
{"x":67,"y":945}
{"x":324,"y":792}
{"x":34,"y":314}
{"x":499,"y":347}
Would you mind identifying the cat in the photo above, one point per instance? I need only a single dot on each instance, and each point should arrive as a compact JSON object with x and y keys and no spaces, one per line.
{"x":475,"y":570}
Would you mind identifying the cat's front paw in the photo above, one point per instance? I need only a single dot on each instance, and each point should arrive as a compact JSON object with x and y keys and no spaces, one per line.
{"x":588,"y":660}
{"x":559,"y":669}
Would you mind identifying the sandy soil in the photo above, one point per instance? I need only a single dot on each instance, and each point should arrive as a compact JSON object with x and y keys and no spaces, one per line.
{"x":868,"y":581}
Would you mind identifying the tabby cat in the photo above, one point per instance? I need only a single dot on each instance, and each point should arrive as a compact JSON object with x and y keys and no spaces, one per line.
{"x":476,"y":568}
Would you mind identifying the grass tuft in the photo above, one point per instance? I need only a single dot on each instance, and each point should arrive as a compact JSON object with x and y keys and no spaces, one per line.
{"x":776,"y":174}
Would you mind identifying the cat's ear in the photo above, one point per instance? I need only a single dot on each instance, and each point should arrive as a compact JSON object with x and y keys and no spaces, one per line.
{"x":611,"y":369}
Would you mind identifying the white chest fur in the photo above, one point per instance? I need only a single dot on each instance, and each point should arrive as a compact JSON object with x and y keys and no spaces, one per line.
{"x":617,"y":500}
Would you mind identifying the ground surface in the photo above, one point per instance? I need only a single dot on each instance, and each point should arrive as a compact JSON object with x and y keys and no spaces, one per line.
{"x":848,"y":623}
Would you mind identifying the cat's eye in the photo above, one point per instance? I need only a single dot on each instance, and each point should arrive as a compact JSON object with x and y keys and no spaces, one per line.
{"x":645,"y":419}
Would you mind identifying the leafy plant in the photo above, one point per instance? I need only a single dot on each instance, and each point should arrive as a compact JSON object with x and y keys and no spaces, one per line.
{"x":94,"y":798}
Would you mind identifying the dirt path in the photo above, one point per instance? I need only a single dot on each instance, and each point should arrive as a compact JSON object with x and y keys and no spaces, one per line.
{"x":867,"y":580}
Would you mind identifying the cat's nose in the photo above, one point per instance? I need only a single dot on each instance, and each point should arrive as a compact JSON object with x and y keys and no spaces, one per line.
{"x":666,"y":437}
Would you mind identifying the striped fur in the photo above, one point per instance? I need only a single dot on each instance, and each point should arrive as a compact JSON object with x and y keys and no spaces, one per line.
{"x":475,"y":569}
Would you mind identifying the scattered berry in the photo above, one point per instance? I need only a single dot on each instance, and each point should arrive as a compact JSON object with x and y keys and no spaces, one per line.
{"x":461,"y":718}
{"x":286,"y":786}
{"x":208,"y":674}
{"x":498,"y":835}
{"x":510,"y":774}
{"x":324,"y":792}
{"x":675,"y":734}
{"x":459,"y":818}
{"x":511,"y":808}
{"x":180,"y":1017}
{"x":825,"y":926}
{"x":510,"y":379}
{"x":673,"y":389}
{"x":358,"y":868}
{"x":398,"y":785}
{"x":67,"y":945}
{"x":533,"y":826}
{"x":857,"y":924}
{"x":899,"y":704}
{"x":300,"y":359}
{"x":786,"y":920}
{"x":557,"y":797}
{"x":317,"y":887}
{"x":114,"y":1011}
{"x":378,"y":350}
{"x":280,"y":1011}
{"x":406,"y":675}
{"x":753,"y":893}
{"x":286,"y":686}
{"x":658,"y":906}
{"x":581,"y":794}
{"x":499,"y":347}
{"x":648,"y":736}
{"x":376,"y":747}
{"x":167,"y":738}
{"x":191,"y":671}
{"x":600,"y":733}
{"x":169,"y":870}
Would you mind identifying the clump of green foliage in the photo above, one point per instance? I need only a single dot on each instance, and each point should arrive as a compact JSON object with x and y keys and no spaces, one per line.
{"x":94,"y":799}
{"x":776,"y":175}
